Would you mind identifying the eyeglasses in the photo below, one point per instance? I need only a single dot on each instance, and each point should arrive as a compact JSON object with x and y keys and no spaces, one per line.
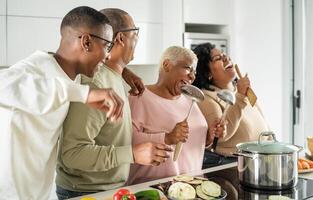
{"x":109,"y":45}
{"x":220,"y":57}
{"x":136,"y":29}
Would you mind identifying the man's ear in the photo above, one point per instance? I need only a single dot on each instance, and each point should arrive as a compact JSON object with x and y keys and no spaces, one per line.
{"x":85,"y":42}
{"x":166,"y":65}
{"x":119,"y":39}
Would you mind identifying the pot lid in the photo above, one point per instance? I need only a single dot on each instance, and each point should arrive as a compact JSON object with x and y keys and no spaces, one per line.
{"x":268,"y":147}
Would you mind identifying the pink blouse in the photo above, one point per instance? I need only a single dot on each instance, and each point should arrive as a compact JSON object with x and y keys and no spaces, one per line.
{"x":152,"y":113}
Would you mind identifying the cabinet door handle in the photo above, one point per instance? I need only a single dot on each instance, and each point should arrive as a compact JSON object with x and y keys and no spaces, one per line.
{"x":296,"y":107}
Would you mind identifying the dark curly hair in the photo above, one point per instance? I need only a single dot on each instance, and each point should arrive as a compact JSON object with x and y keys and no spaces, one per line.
{"x":203,"y":71}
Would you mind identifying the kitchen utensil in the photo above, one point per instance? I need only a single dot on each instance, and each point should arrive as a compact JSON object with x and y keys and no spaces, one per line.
{"x":250,"y":93}
{"x":229,"y":98}
{"x":268,"y":165}
{"x":196,"y":95}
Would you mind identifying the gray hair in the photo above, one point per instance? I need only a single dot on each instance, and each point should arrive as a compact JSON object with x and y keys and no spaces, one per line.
{"x":177,"y":53}
{"x":117,"y":18}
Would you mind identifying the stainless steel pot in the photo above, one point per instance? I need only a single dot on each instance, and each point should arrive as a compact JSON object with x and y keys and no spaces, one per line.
{"x":268,"y":165}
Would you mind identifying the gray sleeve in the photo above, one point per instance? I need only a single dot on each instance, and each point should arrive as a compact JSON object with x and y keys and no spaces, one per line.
{"x":78,"y":147}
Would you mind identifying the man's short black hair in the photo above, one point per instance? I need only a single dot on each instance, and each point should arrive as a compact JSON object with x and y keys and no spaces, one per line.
{"x":116,"y":17}
{"x":84,"y":16}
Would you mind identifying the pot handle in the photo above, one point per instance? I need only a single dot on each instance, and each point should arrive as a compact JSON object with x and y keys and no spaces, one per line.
{"x":267,"y":133}
{"x":299,"y":148}
{"x":248,"y":155}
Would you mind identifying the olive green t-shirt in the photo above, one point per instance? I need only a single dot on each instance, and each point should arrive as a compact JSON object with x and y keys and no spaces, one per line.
{"x":95,"y":153}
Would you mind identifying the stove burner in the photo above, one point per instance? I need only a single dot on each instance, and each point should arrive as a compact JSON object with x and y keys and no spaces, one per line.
{"x":274,"y":192}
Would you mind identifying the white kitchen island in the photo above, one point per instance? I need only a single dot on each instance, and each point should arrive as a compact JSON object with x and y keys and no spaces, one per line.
{"x":106,"y":195}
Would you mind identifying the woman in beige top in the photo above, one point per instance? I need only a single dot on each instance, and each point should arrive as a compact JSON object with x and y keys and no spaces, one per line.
{"x":215,"y":72}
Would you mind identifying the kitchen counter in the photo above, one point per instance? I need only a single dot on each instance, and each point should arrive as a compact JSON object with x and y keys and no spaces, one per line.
{"x":143,"y":186}
{"x":306,"y":175}
{"x":107,"y":195}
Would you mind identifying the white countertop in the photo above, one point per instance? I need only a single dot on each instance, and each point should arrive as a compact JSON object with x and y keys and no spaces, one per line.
{"x":306,"y":175}
{"x":106,"y":195}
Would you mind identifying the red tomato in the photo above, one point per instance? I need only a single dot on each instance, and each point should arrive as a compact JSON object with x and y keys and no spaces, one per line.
{"x":123,"y":194}
{"x":120,"y":193}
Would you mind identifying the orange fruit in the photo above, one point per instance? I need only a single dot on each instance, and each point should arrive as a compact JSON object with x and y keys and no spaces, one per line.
{"x":299,"y":164}
{"x":305,"y":165}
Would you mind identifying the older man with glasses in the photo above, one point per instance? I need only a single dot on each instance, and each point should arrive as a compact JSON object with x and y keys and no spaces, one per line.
{"x":135,"y":82}
{"x":95,"y":154}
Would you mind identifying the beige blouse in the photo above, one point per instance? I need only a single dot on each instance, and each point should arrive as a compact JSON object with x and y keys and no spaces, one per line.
{"x":245,"y":122}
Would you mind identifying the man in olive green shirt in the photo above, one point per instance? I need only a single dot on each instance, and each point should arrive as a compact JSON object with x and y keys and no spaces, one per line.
{"x":94,"y":153}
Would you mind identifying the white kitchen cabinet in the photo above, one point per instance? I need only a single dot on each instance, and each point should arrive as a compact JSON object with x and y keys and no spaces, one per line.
{"x":147,"y":15}
{"x":148,"y":73}
{"x":149,"y":46}
{"x":173,"y":25}
{"x":27,"y":34}
{"x":3,"y":7}
{"x":44,"y":8}
{"x":208,"y":11}
{"x":44,"y":35}
{"x":3,"y":40}
{"x":140,"y":10}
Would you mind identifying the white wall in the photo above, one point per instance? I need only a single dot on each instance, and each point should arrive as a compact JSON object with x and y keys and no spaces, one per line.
{"x":148,"y":73}
{"x":3,"y":38}
{"x":3,"y":35}
{"x":257,"y":47}
{"x":217,"y":12}
{"x":3,"y":7}
{"x":39,"y":20}
{"x":171,"y":19}
{"x":173,"y":24}
{"x":28,"y":34}
{"x":307,"y":106}
{"x":44,"y":8}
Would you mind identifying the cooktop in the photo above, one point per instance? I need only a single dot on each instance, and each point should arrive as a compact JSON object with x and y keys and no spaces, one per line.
{"x":228,"y":179}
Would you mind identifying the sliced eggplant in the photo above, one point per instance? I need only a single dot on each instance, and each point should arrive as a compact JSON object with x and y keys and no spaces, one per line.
{"x":202,"y":195}
{"x":210,"y":188}
{"x":195,"y":182}
{"x":183,"y":178}
{"x":201,"y":178}
{"x":181,"y":191}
